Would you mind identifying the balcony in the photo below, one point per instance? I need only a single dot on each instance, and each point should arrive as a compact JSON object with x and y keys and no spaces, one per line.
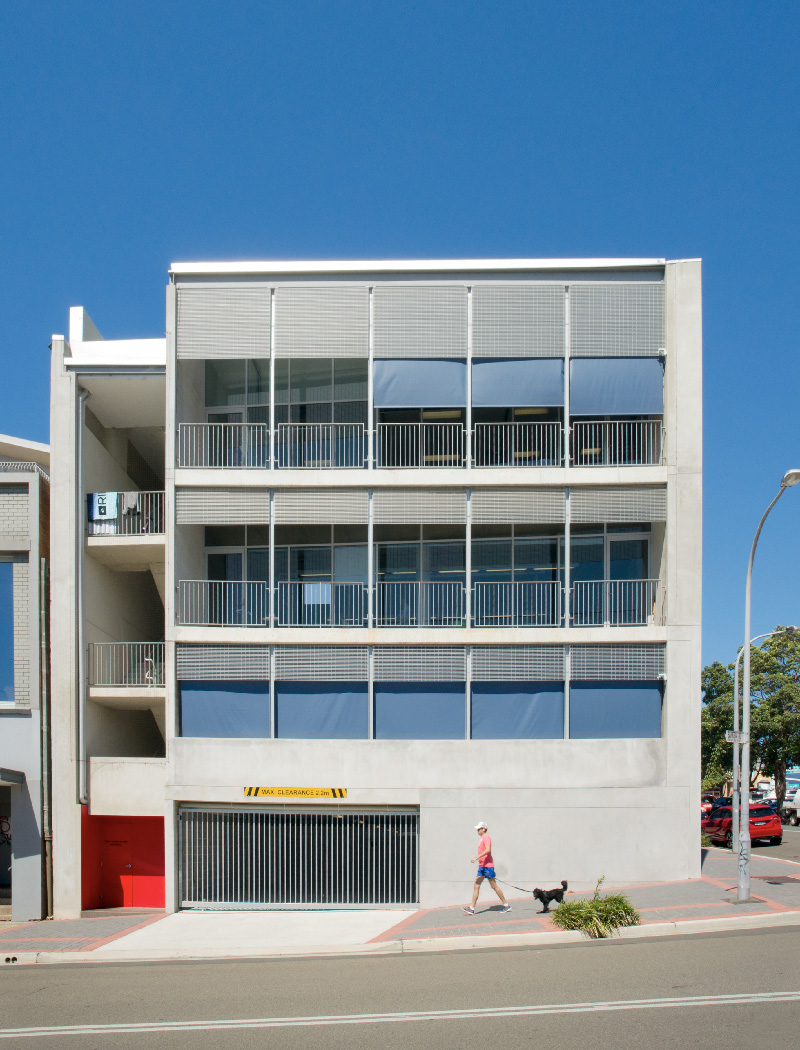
{"x":126,"y":513}
{"x":617,"y":443}
{"x":330,"y":446}
{"x":516,"y":445}
{"x":135,"y":664}
{"x":320,"y":604}
{"x":616,"y":603}
{"x":521,"y":604}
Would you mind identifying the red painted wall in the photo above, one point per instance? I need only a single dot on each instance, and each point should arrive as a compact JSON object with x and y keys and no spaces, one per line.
{"x":108,"y":845}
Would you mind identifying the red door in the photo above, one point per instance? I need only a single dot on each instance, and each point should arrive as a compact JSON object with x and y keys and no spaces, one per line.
{"x":116,"y":874}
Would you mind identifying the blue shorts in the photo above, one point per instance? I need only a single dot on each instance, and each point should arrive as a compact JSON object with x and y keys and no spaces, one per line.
{"x":487,"y":873}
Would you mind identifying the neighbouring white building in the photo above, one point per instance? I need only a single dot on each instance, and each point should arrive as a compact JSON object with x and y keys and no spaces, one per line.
{"x":24,"y":693}
{"x":363,"y":552}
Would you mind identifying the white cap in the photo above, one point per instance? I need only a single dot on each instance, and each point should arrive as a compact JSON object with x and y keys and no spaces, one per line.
{"x":480,"y":825}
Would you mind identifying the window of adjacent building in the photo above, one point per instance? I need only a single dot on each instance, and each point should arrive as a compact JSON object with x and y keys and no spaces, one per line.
{"x":6,"y":632}
{"x":237,"y":391}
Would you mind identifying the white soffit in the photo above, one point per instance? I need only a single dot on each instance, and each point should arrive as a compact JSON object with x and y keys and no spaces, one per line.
{"x":118,"y":352}
{"x":27,"y":451}
{"x":127,"y":401}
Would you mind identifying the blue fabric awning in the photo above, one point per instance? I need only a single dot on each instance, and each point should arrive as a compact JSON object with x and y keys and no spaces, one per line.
{"x":616,"y":386}
{"x":419,"y":384}
{"x":321,"y":711}
{"x":608,"y":710}
{"x":518,"y":382}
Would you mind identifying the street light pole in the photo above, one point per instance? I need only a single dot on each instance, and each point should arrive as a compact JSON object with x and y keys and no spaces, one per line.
{"x":735,"y":793}
{"x":790,"y":478}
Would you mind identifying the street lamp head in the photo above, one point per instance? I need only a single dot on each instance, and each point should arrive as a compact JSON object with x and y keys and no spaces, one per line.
{"x":790,"y":478}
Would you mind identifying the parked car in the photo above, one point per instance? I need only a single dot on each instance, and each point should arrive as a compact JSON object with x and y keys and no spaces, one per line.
{"x":764,"y":824}
{"x":706,"y":802}
{"x":791,"y":809}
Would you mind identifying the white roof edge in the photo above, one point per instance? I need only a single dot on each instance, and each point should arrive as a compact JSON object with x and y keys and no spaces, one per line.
{"x":404,"y":265}
{"x":18,"y":448}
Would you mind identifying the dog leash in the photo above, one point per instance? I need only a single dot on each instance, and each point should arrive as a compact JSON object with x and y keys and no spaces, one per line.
{"x":513,"y":887}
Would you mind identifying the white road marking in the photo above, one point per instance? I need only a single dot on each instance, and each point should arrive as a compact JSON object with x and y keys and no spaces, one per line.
{"x":146,"y":1027}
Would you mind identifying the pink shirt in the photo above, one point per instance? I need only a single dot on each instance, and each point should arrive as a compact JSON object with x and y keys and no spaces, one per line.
{"x":485,"y":843}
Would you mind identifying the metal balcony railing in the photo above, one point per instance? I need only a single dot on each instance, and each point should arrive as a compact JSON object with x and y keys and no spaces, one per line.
{"x":420,"y":445}
{"x":419,"y":605}
{"x":516,"y":445}
{"x":126,"y":513}
{"x":235,"y":445}
{"x":321,"y":604}
{"x":615,"y":603}
{"x":317,"y":445}
{"x":522,"y":604}
{"x":126,"y":663}
{"x":617,"y":443}
{"x":223,"y":603}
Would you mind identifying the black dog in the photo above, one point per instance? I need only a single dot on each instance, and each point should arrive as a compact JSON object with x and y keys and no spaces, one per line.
{"x":545,"y":896}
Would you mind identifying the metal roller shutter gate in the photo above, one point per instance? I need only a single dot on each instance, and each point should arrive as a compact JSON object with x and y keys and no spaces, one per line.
{"x":279,"y":858}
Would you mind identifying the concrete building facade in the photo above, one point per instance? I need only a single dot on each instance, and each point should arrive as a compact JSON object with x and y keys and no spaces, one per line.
{"x":24,"y":719}
{"x":363,"y":552}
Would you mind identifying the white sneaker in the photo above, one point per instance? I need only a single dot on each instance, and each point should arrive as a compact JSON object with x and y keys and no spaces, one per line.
{"x":506,"y":907}
{"x":469,"y":910}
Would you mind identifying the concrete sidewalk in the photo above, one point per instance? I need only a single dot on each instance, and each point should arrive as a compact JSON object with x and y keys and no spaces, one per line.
{"x":697,"y":905}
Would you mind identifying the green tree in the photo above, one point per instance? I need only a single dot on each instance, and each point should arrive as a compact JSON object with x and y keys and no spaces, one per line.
{"x":774,"y":717}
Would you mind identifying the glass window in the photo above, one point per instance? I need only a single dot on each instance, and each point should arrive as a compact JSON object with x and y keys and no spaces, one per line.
{"x":225,"y":383}
{"x":491,"y":561}
{"x":612,"y":710}
{"x":350,"y":412}
{"x":281,"y":382}
{"x":224,"y":709}
{"x":311,"y":413}
{"x":225,"y":566}
{"x":224,"y":535}
{"x":6,"y":632}
{"x":420,"y":711}
{"x":350,"y":380}
{"x":628,"y":560}
{"x":314,"y":711}
{"x":310,"y":380}
{"x":398,"y":562}
{"x":310,"y":562}
{"x":536,"y":560}
{"x":587,"y":558}
{"x":443,"y":562}
{"x":517,"y":711}
{"x":350,"y":564}
{"x":258,"y":381}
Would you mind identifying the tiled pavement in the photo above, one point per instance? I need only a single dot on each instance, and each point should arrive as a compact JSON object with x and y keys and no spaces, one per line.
{"x":69,"y":935}
{"x":775,"y":889}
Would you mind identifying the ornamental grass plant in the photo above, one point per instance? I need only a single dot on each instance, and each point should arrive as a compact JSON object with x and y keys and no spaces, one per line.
{"x":599,"y":916}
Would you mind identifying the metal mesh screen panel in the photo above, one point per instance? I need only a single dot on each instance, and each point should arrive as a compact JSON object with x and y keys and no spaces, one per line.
{"x":245,"y":858}
{"x":419,"y":506}
{"x":517,"y":663}
{"x":419,"y":321}
{"x":224,"y":321}
{"x":329,"y":321}
{"x":517,"y":506}
{"x":616,"y":662}
{"x":518,"y":320}
{"x":321,"y":507}
{"x":310,"y":663}
{"x":616,"y":320}
{"x":222,"y":506}
{"x":618,"y":504}
{"x":419,"y":663}
{"x":221,"y":663}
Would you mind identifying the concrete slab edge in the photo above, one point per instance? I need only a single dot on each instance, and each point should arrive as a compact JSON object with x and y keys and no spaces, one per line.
{"x":437,"y":944}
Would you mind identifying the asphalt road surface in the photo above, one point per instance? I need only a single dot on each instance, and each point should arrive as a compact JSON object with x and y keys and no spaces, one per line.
{"x":789,"y":849}
{"x":731,"y":991}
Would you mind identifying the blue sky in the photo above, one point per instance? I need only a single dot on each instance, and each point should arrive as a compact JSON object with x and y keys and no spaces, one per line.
{"x":138,"y":134}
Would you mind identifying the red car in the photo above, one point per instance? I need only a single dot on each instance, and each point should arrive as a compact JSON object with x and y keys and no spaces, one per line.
{"x":764,"y":824}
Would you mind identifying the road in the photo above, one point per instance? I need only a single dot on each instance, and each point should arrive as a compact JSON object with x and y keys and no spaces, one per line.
{"x":495,"y":998}
{"x":789,"y":849}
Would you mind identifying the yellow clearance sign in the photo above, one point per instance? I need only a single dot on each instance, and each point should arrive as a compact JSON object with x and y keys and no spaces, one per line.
{"x":273,"y":792}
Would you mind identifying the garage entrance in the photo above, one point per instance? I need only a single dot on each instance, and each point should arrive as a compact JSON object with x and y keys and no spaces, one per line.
{"x":310,"y":858}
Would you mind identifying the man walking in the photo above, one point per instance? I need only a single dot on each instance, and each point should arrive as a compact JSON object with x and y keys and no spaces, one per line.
{"x":485,"y":870}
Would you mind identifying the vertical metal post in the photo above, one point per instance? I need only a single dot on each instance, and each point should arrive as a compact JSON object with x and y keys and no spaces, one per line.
{"x":566,"y":598}
{"x":272,"y":379}
{"x":567,"y":682}
{"x":370,"y":391}
{"x":468,"y":414}
{"x":370,"y":563}
{"x":468,"y":694}
{"x":271,"y":673}
{"x":565,"y":452}
{"x":272,"y":585}
{"x":468,"y":561}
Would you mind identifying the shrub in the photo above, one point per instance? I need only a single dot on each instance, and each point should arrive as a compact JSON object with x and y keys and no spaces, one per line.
{"x":705,"y":840}
{"x":598,"y":917}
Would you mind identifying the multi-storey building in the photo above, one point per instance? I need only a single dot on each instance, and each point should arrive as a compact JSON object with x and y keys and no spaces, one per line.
{"x":24,"y":719}
{"x":364,"y":552}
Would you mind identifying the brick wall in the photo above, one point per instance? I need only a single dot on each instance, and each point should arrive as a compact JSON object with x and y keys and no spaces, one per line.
{"x":13,"y":512}
{"x":22,"y":641}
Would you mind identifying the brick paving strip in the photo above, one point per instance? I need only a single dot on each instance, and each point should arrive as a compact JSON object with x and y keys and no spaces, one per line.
{"x":71,"y":935}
